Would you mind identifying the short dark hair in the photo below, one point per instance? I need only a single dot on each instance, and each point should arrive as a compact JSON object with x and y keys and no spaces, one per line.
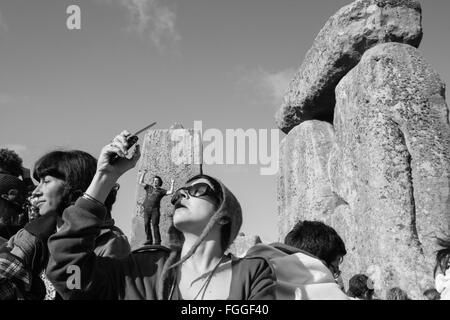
{"x":318,"y":239}
{"x":111,"y":199}
{"x":159,"y":178}
{"x":76,"y":168}
{"x":396,"y":294}
{"x":432,"y":294}
{"x":10,"y":162}
{"x":442,"y":255}
{"x":358,"y":287}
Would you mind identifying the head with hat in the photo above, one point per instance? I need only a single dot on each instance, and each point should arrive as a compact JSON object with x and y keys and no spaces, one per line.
{"x":204,"y":209}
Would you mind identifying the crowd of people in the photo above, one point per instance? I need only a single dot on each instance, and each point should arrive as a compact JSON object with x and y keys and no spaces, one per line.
{"x":59,"y":236}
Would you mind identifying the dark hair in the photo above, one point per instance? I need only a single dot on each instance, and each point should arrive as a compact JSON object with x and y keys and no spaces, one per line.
{"x":432,"y":294}
{"x":396,"y":294}
{"x":111,"y":199}
{"x":159,"y":178}
{"x":442,"y":256}
{"x":76,"y":168}
{"x":316,"y":238}
{"x":358,"y":288}
{"x":10,"y":162}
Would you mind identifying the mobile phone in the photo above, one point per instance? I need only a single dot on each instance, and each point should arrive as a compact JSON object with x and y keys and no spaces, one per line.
{"x":131,"y":142}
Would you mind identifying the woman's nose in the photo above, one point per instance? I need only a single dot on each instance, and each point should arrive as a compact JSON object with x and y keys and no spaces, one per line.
{"x":37,"y":191}
{"x":184,"y":193}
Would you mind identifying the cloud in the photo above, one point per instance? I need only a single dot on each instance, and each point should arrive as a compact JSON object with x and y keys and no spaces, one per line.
{"x":265,"y":85}
{"x":6,"y":98}
{"x":152,"y":19}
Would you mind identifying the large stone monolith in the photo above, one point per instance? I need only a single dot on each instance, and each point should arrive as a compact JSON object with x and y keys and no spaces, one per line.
{"x":338,"y":48}
{"x":391,"y":165}
{"x":304,"y":188}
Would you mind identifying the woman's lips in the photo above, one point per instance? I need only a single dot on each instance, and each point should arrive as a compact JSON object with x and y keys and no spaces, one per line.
{"x":38,"y":203}
{"x":178,"y":205}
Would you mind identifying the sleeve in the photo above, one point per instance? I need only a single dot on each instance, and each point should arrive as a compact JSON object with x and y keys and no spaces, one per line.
{"x":30,"y":243}
{"x":73,"y":268}
{"x":14,"y":278}
{"x":113,"y":245}
{"x":262,"y":284}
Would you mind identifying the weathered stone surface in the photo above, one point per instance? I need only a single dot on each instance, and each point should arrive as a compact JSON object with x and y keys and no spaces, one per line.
{"x":170,"y":154}
{"x":242,"y":243}
{"x":304,"y":188}
{"x":338,"y":48}
{"x":391,"y":164}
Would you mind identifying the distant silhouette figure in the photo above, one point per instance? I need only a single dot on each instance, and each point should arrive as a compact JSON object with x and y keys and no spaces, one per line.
{"x":152,"y":205}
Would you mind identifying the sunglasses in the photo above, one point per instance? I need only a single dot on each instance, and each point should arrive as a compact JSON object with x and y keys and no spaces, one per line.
{"x":196,"y":190}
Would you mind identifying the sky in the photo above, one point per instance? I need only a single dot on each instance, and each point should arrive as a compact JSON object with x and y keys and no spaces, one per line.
{"x":226,"y":63}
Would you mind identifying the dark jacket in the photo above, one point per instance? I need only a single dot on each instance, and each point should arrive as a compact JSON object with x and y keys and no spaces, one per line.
{"x":134,"y":277}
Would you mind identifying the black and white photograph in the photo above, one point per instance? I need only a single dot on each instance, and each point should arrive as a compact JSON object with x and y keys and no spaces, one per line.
{"x":224,"y":150}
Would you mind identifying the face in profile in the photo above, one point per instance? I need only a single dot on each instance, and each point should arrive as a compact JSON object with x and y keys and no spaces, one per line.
{"x":195,"y":204}
{"x":48,"y":195}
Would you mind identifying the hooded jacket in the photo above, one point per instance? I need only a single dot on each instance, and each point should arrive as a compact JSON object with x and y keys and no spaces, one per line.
{"x":134,"y":277}
{"x":300,"y":275}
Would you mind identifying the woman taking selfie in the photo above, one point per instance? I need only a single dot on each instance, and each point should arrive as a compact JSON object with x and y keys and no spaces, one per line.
{"x":206,"y":220}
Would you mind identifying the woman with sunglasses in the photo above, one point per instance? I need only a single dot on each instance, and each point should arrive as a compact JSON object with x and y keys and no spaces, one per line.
{"x":207,"y":218}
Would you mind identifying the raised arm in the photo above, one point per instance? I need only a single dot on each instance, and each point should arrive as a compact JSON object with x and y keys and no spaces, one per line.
{"x":170,"y":191}
{"x":72,"y":248}
{"x":141,"y":178}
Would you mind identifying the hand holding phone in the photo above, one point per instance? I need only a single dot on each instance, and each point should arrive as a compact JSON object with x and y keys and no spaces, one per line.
{"x":131,"y":141}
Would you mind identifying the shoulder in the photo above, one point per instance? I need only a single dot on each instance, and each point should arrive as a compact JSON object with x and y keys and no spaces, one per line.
{"x":252,"y":264}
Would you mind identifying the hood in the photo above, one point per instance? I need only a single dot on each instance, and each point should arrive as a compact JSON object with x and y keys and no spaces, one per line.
{"x":300,"y":275}
{"x":231,"y":208}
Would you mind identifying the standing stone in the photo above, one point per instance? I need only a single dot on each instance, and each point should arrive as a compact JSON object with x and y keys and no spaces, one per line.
{"x":338,"y":47}
{"x":171,"y":154}
{"x":304,"y":188}
{"x":391,"y":164}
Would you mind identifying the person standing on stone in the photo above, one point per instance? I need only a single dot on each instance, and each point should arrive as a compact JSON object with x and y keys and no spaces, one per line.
{"x":152,"y":205}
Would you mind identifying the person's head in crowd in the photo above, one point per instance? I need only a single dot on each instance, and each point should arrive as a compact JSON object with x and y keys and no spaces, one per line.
{"x":157,"y":182}
{"x":10,"y":163}
{"x":360,"y":287}
{"x":12,"y":197}
{"x":63,"y":176}
{"x":442,"y":268}
{"x":442,"y":256}
{"x":432,"y":294}
{"x":396,"y":294}
{"x":320,"y":240}
{"x":204,"y":210}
